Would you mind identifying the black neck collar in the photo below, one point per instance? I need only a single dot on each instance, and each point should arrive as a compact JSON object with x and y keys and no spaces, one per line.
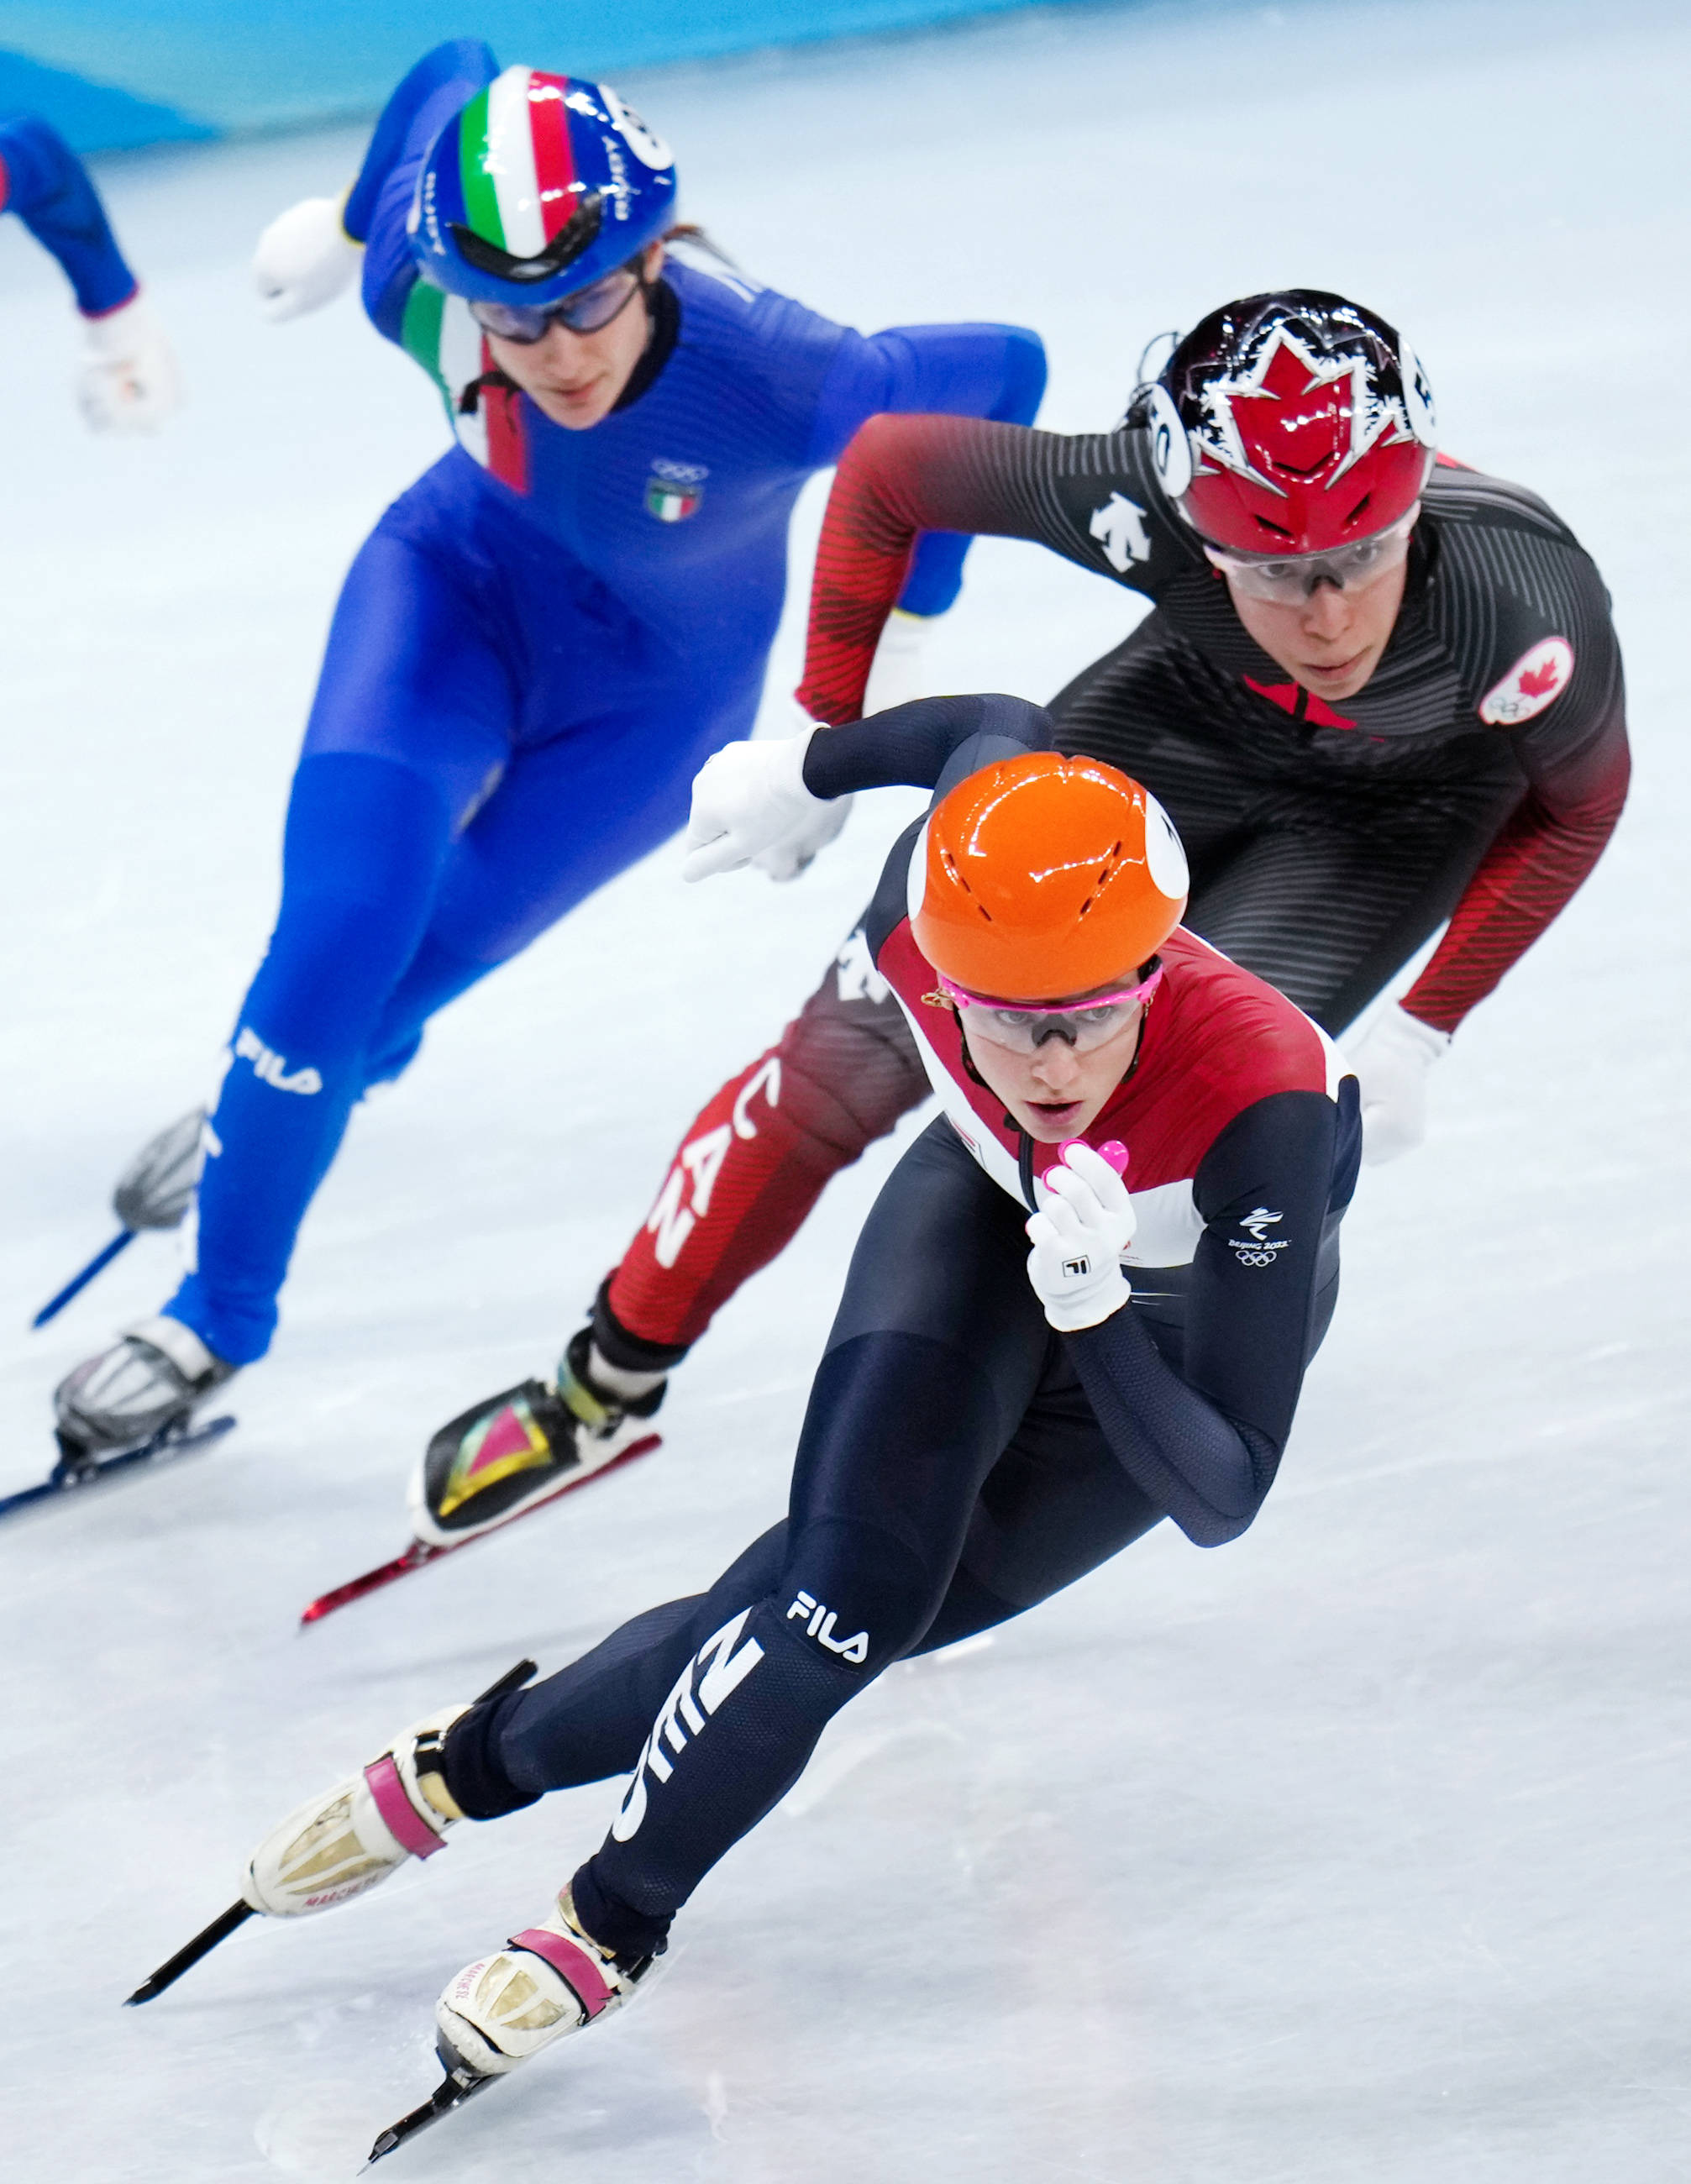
{"x":663,"y":307}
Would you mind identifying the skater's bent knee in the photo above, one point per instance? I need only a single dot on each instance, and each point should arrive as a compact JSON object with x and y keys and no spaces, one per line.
{"x":857,"y":1591}
{"x":848,"y":1074}
{"x":332,"y":963}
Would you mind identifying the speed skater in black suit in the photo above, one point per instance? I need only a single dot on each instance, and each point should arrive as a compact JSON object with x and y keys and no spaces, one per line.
{"x":1176,"y":1143}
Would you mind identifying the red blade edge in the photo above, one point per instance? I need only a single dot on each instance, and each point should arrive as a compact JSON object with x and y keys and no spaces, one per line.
{"x":422,"y":1551}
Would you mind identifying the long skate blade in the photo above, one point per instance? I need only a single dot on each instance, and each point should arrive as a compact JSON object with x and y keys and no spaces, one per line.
{"x":186,"y":1957}
{"x":414,"y":1557}
{"x":458,"y":2087}
{"x":421,"y":1552}
{"x":513,"y":1679}
{"x":77,"y":1282}
{"x":69,"y":1478}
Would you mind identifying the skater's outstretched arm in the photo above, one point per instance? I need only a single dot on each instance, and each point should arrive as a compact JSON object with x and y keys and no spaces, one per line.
{"x":966,"y":371}
{"x":421,"y":103}
{"x":904,"y":476}
{"x":1573,"y":752}
{"x":378,"y":204}
{"x":310,"y":252}
{"x":127,"y":380}
{"x":43,"y":181}
{"x":751,"y":794}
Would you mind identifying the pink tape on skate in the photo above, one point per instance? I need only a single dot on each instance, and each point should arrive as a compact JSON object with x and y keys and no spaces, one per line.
{"x":574,"y":1965}
{"x":1112,"y":1150}
{"x":507,"y":1435}
{"x":398,"y":1812}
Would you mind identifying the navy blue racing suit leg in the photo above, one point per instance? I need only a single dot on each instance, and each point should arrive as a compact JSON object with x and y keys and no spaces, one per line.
{"x":949,"y":1474}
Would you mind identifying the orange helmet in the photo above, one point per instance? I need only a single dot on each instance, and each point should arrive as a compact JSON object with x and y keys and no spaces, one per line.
{"x":1041,"y":876}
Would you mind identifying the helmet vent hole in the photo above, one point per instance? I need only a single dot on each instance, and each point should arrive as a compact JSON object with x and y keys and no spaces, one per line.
{"x":1360,"y":505}
{"x":957,"y":872}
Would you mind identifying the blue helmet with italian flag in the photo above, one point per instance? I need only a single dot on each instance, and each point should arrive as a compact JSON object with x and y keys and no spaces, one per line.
{"x":539,"y":186}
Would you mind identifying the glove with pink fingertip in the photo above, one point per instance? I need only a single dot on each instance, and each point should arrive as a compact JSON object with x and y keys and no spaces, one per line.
{"x":1085,"y":1224}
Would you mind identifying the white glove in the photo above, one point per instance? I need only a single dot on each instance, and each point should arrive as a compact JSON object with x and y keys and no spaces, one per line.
{"x":1086,"y":1222}
{"x":1390,"y":1067}
{"x":750,"y":807}
{"x":795,"y":851}
{"x":900,"y":671}
{"x":304,"y":258}
{"x":128,"y":382}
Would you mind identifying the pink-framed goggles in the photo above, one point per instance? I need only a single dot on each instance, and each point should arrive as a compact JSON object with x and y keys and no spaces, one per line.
{"x":1023,"y":1027}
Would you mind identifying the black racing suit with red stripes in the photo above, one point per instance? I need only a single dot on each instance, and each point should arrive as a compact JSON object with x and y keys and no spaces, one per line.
{"x":960,"y":1461}
{"x":1476,"y":777}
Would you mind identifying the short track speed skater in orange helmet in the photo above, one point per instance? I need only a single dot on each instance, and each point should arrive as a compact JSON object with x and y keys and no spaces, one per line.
{"x":1042,"y":878}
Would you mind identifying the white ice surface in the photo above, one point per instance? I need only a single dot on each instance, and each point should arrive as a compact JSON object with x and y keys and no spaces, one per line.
{"x":1357,"y":1850}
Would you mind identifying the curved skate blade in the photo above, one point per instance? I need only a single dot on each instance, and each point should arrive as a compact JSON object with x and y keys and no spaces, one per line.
{"x":421,"y":1552}
{"x":453,"y":2091}
{"x":80,"y":1281}
{"x":188,"y":1957}
{"x":72,"y":1473}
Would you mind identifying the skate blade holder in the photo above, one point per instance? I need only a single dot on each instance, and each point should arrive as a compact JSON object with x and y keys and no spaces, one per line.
{"x":459,"y":2084}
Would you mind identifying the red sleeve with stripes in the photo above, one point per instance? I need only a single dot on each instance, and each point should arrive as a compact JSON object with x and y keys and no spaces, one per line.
{"x":900,"y":476}
{"x":1531,"y":870}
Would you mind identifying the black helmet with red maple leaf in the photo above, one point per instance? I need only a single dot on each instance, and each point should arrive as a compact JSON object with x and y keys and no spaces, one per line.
{"x":1292,"y":423}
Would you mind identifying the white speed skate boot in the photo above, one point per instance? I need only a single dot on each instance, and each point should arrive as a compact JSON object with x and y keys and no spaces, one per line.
{"x":547,"y":1981}
{"x":152,"y":1381}
{"x":348,"y":1841}
{"x":524,"y":1445}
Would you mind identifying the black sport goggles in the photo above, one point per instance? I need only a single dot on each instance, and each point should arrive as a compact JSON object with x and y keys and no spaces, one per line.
{"x":583,"y":312}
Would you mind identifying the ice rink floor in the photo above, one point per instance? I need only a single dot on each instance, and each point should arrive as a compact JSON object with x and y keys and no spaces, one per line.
{"x":1357,"y":1850}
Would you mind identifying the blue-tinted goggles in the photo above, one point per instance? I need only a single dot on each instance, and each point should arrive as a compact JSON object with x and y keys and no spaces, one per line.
{"x":584,"y":313}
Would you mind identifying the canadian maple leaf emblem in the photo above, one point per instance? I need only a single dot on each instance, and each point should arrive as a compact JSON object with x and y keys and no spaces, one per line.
{"x":1537,"y":679}
{"x":1539,"y":682}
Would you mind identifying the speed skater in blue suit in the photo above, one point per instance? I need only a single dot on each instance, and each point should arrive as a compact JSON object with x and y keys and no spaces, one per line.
{"x":126,"y":375}
{"x":541,"y":642}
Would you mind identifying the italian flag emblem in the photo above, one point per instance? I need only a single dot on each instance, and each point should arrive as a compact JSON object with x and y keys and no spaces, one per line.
{"x":516,"y":163}
{"x":674,"y":491}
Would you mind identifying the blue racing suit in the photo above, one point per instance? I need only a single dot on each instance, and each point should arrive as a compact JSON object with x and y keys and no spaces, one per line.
{"x":534,"y":651}
{"x":43,"y":181}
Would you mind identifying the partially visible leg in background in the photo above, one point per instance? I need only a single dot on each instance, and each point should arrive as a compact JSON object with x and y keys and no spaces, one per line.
{"x":755,"y":1160}
{"x":412,"y":719}
{"x":437,"y":827}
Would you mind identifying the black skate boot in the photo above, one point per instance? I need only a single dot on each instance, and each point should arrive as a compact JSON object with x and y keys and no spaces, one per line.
{"x":151,"y":1382}
{"x":523,"y":1445}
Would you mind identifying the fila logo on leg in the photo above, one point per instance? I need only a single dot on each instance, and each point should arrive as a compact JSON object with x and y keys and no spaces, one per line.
{"x":270,"y":1067}
{"x":819,"y":1622}
{"x":720,"y":1666}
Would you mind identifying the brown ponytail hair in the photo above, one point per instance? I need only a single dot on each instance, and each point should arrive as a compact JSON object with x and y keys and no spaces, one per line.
{"x":689,"y":231}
